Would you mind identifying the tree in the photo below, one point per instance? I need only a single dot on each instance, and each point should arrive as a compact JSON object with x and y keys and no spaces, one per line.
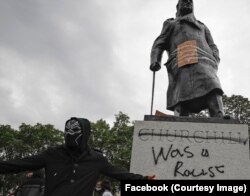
{"x":238,"y":107}
{"x":39,"y":137}
{"x":100,"y":137}
{"x":121,"y":141}
{"x":9,"y":144}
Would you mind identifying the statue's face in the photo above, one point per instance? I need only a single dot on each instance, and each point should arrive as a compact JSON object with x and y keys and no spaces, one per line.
{"x":185,"y":7}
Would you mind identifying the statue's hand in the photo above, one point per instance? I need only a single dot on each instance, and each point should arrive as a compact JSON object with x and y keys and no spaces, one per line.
{"x":155,"y":66}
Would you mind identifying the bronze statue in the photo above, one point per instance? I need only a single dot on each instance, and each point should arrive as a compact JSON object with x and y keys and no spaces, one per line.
{"x":192,"y":64}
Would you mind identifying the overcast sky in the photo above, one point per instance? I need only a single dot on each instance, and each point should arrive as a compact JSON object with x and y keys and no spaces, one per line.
{"x":90,"y":58}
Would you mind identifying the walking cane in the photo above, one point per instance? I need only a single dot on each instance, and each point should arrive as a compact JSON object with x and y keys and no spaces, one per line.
{"x":153,"y":89}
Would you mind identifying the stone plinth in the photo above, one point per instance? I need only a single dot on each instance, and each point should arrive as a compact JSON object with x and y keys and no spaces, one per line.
{"x":188,"y":149}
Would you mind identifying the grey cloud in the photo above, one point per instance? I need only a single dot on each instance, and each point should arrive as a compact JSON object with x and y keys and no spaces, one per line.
{"x":66,"y":49}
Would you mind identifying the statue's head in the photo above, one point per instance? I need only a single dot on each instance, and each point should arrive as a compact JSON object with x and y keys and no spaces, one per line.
{"x":184,"y":7}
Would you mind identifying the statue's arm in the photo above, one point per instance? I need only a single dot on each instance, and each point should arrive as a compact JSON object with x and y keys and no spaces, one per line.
{"x":159,"y":47}
{"x":212,"y":45}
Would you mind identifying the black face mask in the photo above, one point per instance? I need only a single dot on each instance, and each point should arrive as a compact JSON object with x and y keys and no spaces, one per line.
{"x":77,"y":133}
{"x":73,"y":134}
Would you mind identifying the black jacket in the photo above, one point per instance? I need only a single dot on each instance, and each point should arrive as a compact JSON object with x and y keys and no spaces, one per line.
{"x":68,"y":174}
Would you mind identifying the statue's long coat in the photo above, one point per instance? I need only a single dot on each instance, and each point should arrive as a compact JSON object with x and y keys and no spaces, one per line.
{"x":191,"y":81}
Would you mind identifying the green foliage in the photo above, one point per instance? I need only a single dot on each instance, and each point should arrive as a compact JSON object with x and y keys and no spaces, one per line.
{"x":238,"y":107}
{"x":9,"y":142}
{"x":100,"y":135}
{"x":122,"y":140}
{"x":39,"y":137}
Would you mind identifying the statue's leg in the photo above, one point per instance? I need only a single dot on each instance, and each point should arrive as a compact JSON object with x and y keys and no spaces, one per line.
{"x":180,"y":110}
{"x":215,"y":105}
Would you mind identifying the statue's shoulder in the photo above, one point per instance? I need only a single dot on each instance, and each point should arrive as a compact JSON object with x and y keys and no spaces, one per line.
{"x":168,"y":21}
{"x":200,"y":22}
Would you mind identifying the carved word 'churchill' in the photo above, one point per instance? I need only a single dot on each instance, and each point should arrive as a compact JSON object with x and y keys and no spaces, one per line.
{"x":192,"y":64}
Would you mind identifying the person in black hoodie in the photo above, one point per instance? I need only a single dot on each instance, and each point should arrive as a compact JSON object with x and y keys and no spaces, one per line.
{"x":73,"y":168}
